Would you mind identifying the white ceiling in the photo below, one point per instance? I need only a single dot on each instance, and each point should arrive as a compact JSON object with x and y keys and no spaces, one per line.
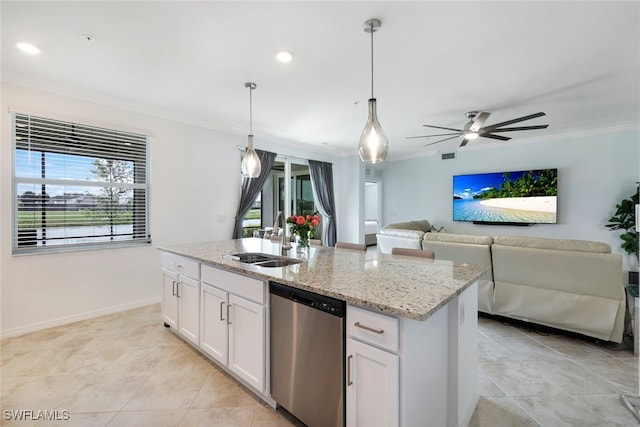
{"x":579,"y":62}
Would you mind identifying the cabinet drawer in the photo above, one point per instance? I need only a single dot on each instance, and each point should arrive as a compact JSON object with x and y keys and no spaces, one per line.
{"x":373,"y":328}
{"x":246,"y":287}
{"x":181,"y":265}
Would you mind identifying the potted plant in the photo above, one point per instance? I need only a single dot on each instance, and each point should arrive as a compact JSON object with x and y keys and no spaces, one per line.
{"x":625,"y":219}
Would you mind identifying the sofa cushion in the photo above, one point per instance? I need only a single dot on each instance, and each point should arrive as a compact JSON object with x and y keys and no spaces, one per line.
{"x":557,"y":244}
{"x":409,"y":234}
{"x":420,"y":225}
{"x":458,"y":238}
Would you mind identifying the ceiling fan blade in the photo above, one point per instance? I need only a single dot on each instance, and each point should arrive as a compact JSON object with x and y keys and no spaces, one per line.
{"x":509,"y":122}
{"x":479,"y":121}
{"x":492,"y":136}
{"x":442,"y":140}
{"x":464,"y":141}
{"x":427,"y":136}
{"x":520,"y":128}
{"x":440,"y":127}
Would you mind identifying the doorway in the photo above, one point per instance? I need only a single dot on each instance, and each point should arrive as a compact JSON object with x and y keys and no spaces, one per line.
{"x":372,"y":219}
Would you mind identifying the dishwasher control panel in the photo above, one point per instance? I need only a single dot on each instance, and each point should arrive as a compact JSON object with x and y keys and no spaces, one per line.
{"x":317,"y":301}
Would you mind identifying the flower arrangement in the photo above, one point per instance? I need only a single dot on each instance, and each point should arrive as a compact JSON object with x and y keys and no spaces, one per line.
{"x":304,"y":227}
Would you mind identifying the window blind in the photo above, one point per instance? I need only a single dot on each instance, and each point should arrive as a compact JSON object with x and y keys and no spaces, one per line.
{"x":77,"y":186}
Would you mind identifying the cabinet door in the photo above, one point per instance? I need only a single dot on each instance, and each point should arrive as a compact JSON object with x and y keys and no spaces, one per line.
{"x":372,"y":386}
{"x":213,"y":328}
{"x":246,"y":341}
{"x":189,"y":309}
{"x":169,"y":299}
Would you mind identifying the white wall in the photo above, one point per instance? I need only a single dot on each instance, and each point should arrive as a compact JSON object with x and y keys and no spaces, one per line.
{"x":595,"y":172}
{"x":371,"y":202}
{"x":350,"y":199}
{"x":195,"y":187}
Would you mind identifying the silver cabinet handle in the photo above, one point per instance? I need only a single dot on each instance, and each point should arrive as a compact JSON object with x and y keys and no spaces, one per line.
{"x":173,"y":288}
{"x":178,"y":289}
{"x":368,"y":328}
{"x":221,"y":304}
{"x":228,"y":317}
{"x":349,"y":382}
{"x":177,"y":265}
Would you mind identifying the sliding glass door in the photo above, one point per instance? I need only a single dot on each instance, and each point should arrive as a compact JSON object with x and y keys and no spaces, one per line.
{"x":300,"y":200}
{"x":276,"y":196}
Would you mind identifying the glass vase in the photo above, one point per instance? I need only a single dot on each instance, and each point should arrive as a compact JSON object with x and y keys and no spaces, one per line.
{"x":302,"y":242}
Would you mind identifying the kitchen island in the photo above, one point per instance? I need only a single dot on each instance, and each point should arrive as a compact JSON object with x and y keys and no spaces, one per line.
{"x":427,"y":354}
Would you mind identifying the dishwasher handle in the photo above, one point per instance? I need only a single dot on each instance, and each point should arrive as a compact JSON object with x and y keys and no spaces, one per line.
{"x":301,"y":300}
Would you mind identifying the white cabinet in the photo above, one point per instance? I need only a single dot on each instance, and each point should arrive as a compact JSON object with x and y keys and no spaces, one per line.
{"x":372,"y":386}
{"x":188,"y":293}
{"x":169,"y":298}
{"x":373,"y":374}
{"x":407,"y":372}
{"x":233,"y":324}
{"x":214,"y":332}
{"x":181,"y":296}
{"x":247,"y":340}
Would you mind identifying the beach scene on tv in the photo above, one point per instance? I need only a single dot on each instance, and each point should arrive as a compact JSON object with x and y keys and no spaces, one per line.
{"x":519,"y":197}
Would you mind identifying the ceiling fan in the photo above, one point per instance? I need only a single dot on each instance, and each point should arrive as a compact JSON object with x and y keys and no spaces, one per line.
{"x":474,"y":128}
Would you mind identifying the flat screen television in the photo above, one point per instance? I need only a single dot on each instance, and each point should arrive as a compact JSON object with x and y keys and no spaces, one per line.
{"x":515,"y":198}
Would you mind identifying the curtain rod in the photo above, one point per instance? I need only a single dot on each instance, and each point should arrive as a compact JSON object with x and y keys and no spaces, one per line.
{"x":285,"y":156}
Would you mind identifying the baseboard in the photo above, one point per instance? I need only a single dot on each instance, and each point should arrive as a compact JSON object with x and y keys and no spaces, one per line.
{"x":76,"y":318}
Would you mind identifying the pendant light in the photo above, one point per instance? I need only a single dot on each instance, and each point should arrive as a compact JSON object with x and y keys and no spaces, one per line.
{"x":250,"y":165}
{"x":374,"y":143}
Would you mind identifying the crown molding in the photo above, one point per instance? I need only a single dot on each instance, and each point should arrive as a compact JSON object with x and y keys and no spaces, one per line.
{"x":57,"y":88}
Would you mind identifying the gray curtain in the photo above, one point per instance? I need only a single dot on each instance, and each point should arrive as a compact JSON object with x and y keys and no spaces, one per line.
{"x":251,"y":187}
{"x":322,"y":185}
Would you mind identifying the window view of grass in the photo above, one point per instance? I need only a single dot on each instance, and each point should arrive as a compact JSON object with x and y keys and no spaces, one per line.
{"x":251,"y":217}
{"x":70,"y":219}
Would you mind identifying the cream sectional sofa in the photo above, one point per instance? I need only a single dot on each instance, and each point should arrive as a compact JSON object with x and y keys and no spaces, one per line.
{"x":402,"y":235}
{"x":471,"y":249}
{"x":573,"y":285}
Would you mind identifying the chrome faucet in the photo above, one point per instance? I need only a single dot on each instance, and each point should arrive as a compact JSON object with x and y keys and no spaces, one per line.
{"x":285,"y":241}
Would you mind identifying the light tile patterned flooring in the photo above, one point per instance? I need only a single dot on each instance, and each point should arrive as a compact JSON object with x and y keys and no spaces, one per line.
{"x":128,"y":370}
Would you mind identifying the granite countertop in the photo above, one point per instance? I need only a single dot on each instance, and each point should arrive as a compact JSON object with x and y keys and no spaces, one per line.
{"x":397,"y":285}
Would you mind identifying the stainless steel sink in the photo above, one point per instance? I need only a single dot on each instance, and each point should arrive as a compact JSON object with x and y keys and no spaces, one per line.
{"x":251,"y":257}
{"x":261,"y":259}
{"x":277,"y":262}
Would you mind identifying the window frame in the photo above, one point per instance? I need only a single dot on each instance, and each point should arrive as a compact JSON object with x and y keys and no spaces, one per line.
{"x":142,"y":205}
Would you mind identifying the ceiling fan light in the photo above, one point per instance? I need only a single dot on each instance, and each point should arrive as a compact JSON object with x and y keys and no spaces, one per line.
{"x":374,"y":144}
{"x":250,"y":165}
{"x":471,"y":135}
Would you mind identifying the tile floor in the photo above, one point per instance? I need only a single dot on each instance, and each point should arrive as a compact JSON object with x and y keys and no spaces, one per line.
{"x":128,"y":370}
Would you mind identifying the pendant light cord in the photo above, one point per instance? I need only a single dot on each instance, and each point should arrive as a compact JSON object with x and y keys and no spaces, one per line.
{"x":371,"y":26}
{"x":250,"y":111}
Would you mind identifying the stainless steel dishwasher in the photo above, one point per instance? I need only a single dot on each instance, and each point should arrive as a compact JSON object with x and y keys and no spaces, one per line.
{"x":307,"y":355}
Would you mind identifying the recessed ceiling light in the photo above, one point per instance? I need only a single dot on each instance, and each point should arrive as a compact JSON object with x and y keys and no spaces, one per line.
{"x":284,"y":56}
{"x":28,"y":48}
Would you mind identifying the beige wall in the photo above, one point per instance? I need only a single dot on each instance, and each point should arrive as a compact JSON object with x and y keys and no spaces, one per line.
{"x":195,"y":187}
